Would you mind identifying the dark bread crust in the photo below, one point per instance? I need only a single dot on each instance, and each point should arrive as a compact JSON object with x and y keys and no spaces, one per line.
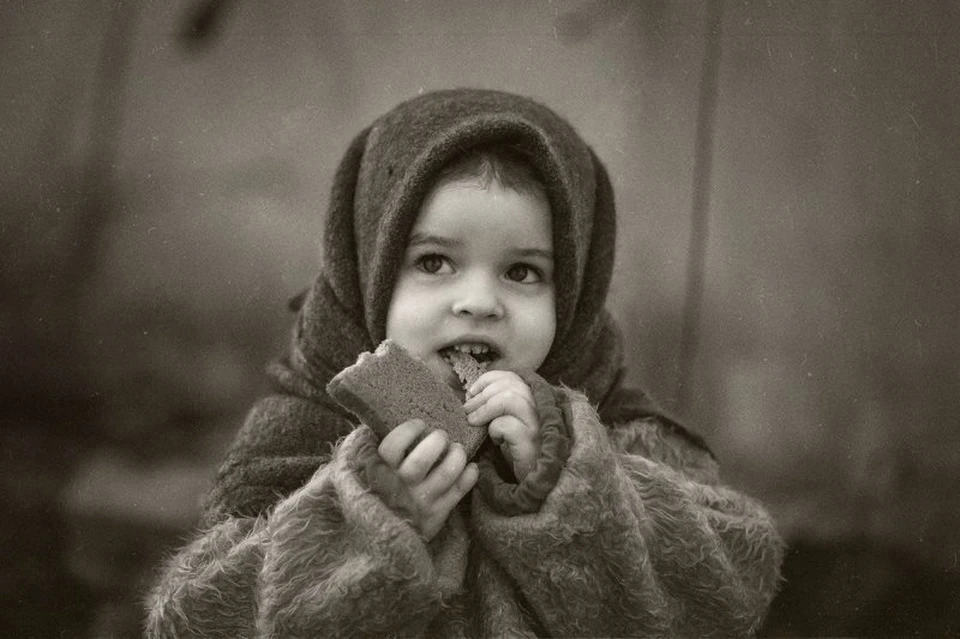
{"x":390,"y":386}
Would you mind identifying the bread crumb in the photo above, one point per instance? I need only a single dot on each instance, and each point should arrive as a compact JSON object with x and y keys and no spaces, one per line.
{"x":467,"y":368}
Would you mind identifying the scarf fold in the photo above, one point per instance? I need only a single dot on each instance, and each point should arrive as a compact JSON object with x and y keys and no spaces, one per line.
{"x":376,"y":195}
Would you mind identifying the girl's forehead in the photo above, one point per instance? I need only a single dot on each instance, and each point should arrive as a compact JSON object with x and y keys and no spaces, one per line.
{"x":465,"y":208}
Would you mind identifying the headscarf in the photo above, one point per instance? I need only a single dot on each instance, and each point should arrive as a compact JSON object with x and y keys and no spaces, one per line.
{"x":380,"y":184}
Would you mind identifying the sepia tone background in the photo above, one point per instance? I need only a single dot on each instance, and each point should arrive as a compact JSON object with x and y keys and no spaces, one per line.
{"x":788,"y":184}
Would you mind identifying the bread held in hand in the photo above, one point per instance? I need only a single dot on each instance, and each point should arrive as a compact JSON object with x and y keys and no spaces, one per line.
{"x":390,"y":386}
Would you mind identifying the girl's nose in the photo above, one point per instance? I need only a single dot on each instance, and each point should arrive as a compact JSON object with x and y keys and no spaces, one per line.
{"x":478,"y":297}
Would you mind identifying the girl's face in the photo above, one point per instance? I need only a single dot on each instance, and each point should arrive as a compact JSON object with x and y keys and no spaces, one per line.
{"x":477,"y":275}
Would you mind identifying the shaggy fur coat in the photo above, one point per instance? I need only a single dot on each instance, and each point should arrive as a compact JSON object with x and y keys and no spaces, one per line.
{"x":623,"y":529}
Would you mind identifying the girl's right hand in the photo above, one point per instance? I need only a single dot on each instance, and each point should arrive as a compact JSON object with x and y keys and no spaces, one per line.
{"x":433,"y":477}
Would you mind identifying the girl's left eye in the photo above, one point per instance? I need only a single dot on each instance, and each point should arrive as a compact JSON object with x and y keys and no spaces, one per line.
{"x":432,"y":263}
{"x":524,"y":274}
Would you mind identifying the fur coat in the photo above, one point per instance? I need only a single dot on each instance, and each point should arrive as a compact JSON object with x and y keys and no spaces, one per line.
{"x":637,"y":538}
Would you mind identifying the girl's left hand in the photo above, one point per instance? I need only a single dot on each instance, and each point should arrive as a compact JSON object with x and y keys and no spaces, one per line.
{"x":503,"y":399}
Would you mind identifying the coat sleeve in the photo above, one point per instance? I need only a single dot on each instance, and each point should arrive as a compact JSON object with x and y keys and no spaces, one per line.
{"x":331,"y":559}
{"x":636,"y":537}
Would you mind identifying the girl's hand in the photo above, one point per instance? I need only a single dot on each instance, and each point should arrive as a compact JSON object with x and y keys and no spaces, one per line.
{"x":503,"y":399}
{"x":431,"y":478}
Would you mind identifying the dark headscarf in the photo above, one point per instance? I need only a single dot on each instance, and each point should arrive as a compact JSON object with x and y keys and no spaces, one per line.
{"x":377,"y":192}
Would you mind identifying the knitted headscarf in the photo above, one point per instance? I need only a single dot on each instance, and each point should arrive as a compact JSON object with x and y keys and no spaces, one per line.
{"x":377,"y":192}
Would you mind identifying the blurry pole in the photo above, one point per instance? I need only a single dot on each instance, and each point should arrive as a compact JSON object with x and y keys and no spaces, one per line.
{"x":97,"y":190}
{"x":699,"y":217}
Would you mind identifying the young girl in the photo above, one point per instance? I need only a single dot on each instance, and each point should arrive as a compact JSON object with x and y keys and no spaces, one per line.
{"x":479,"y":221}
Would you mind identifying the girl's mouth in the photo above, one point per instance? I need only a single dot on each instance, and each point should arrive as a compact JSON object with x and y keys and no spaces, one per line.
{"x":483,"y":353}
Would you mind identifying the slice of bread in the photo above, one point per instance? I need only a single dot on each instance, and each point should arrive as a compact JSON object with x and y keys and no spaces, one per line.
{"x":390,"y":386}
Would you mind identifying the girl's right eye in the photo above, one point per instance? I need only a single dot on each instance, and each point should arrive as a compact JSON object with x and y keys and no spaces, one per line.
{"x":432,"y":263}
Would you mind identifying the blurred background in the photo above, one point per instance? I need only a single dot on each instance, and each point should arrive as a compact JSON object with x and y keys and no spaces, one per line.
{"x":788,"y":182}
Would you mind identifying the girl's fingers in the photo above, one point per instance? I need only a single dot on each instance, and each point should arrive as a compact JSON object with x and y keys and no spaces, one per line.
{"x":516,"y":443}
{"x":505,"y":402}
{"x":463,"y":484}
{"x":507,"y":431}
{"x":394,"y":446}
{"x":489,"y":378}
{"x":494,"y":383}
{"x":423,"y":457}
{"x":445,"y":474}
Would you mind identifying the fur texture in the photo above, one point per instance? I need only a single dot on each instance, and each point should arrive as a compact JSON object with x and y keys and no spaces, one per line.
{"x":626,"y":544}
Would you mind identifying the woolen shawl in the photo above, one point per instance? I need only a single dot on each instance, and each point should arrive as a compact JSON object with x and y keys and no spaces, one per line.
{"x":377,"y":192}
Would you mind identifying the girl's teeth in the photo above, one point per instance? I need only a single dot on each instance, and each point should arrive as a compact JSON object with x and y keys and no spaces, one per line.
{"x":473,"y":349}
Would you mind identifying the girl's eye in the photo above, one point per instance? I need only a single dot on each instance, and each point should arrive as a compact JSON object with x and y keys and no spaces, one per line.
{"x":524,"y":274}
{"x":432,"y":263}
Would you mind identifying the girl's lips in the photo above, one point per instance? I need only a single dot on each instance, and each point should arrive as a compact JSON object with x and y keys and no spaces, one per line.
{"x":482,"y":351}
{"x":453,"y":377}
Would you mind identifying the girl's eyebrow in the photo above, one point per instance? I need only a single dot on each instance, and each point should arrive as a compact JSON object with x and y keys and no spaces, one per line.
{"x":420,"y":239}
{"x":535,"y":252}
{"x":417,"y":239}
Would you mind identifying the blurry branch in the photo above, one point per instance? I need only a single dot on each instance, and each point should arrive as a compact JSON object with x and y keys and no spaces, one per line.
{"x":699,"y":215}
